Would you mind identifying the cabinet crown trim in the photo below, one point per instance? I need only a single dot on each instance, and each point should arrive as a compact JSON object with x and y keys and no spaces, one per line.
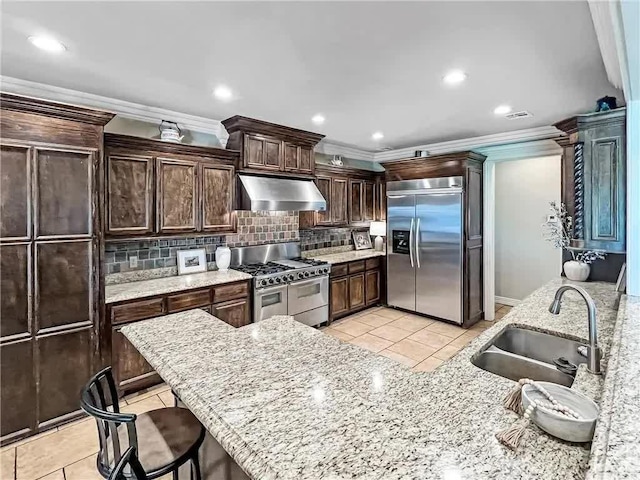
{"x":591,"y":120}
{"x":113,"y":140}
{"x":47,"y":108}
{"x":239,"y":123}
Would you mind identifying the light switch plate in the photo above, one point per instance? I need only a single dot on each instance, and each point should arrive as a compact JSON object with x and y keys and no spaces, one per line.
{"x":133,"y":262}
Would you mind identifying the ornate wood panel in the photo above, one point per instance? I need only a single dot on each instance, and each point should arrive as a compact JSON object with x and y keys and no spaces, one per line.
{"x":177,"y":194}
{"x":64,"y":364}
{"x":339,"y":203}
{"x":291,"y":157}
{"x":372,"y":287}
{"x":129,"y":199}
{"x":63,"y":283}
{"x":63,"y":197}
{"x":130,"y":369}
{"x":369,"y":201}
{"x":356,"y":188}
{"x":18,"y":415}
{"x":473,"y":285}
{"x":234,"y":312}
{"x":324,"y":185}
{"x":381,"y":204}
{"x":272,"y":154}
{"x":15,"y":190}
{"x":253,"y":151}
{"x":356,"y":291}
{"x":15,"y":289}
{"x":339,"y":296}
{"x":217,"y":198}
{"x":307,"y":160}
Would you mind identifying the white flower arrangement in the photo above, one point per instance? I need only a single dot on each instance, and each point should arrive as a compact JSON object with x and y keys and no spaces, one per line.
{"x":560,"y":233}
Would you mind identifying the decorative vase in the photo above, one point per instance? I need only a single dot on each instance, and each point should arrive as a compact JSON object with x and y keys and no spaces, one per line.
{"x":577,"y":271}
{"x":223,"y":258}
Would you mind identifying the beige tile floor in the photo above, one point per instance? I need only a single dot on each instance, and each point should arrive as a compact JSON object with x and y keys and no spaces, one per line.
{"x":419,"y":343}
{"x":69,"y":452}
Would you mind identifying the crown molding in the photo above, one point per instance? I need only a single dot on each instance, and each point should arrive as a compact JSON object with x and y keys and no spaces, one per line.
{"x":334,"y":148}
{"x":601,"y":14}
{"x":520,"y":151}
{"x":473,"y":143}
{"x":135,"y":111}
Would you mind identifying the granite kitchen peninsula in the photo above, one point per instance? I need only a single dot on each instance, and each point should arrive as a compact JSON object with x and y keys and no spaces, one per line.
{"x":283,"y":412}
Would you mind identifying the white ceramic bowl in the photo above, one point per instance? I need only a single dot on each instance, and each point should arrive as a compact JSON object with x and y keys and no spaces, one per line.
{"x":560,"y":425}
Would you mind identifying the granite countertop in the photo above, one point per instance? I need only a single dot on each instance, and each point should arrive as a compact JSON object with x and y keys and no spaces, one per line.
{"x":615,"y":453}
{"x":290,"y":402}
{"x":349,"y":256}
{"x":159,"y":286}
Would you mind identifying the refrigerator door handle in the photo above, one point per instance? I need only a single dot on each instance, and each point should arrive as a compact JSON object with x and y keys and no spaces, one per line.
{"x":417,"y":237}
{"x":411,"y":243}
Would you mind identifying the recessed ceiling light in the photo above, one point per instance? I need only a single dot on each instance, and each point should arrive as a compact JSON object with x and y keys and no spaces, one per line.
{"x":455,"y":77}
{"x":318,"y":119}
{"x":222,"y":92}
{"x":502,"y":110}
{"x":377,"y":136}
{"x":47,"y":44}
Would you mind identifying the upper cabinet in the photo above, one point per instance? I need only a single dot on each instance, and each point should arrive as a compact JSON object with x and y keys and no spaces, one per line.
{"x":155,"y":187}
{"x":352,"y":195}
{"x":270,"y":148}
{"x":594,"y":177}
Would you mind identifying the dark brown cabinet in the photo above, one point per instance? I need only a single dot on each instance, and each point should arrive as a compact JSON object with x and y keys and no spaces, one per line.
{"x":354,"y":286}
{"x":177,"y":194}
{"x":234,"y":312}
{"x":262,"y":152}
{"x":129,"y":195}
{"x":595,"y":153}
{"x":51,"y":286}
{"x":229,"y":302}
{"x":352,"y":195}
{"x":157,"y":188}
{"x":131,"y":370}
{"x":271,"y":148}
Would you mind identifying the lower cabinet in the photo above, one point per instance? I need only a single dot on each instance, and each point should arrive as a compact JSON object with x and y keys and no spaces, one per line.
{"x":229,"y":302}
{"x":354,"y":286}
{"x":235,"y":312}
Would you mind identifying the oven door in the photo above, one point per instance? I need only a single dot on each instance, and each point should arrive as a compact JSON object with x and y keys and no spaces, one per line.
{"x":268,"y":302}
{"x":308,"y":294}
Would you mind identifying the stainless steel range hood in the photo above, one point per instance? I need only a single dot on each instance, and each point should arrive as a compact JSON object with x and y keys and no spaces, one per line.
{"x":270,"y":193}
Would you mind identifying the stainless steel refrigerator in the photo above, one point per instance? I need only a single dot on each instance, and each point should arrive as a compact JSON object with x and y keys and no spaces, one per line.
{"x":425,"y":245}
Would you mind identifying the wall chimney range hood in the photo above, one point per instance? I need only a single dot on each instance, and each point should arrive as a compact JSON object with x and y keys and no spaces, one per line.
{"x":272,"y":193}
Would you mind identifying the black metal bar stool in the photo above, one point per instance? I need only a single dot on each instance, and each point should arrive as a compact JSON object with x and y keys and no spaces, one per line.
{"x":163,"y":439}
{"x":129,"y":459}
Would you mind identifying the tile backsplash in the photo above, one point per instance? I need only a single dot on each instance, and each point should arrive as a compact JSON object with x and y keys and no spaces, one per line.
{"x":313,"y":239}
{"x":254,"y":228}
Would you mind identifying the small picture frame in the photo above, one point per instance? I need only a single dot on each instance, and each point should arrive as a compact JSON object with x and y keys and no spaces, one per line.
{"x":192,"y":261}
{"x":361,"y":240}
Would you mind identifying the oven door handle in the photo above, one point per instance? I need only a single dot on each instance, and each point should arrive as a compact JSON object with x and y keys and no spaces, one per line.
{"x":304,"y":283}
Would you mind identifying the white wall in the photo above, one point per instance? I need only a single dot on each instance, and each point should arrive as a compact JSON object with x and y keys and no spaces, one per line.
{"x":524,"y":261}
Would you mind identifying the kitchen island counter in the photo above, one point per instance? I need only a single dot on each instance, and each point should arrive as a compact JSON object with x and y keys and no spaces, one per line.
{"x":289,"y":402}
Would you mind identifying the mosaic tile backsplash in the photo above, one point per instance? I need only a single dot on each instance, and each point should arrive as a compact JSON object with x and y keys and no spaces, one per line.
{"x":254,"y":228}
{"x":326,"y":237}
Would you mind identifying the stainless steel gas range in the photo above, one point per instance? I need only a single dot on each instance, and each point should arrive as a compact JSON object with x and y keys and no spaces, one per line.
{"x":284,"y":283}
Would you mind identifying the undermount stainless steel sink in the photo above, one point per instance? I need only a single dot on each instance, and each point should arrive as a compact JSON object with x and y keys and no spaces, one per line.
{"x":518,"y":353}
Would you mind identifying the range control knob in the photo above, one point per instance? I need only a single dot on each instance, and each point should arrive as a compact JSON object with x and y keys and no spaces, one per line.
{"x":300,"y":275}
{"x":307,"y":274}
{"x":291,"y":277}
{"x":278,"y":279}
{"x":271,"y":281}
{"x":325,"y":270}
{"x":263,"y":283}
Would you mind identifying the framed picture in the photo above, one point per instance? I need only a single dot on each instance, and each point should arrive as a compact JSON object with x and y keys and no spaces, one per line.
{"x":361,"y":240}
{"x":192,"y":261}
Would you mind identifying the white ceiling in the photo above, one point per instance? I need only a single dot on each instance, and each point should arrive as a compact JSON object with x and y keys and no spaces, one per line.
{"x":366,"y":66}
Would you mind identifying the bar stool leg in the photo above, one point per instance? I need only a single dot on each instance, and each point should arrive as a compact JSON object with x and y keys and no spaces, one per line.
{"x":196,"y":466}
